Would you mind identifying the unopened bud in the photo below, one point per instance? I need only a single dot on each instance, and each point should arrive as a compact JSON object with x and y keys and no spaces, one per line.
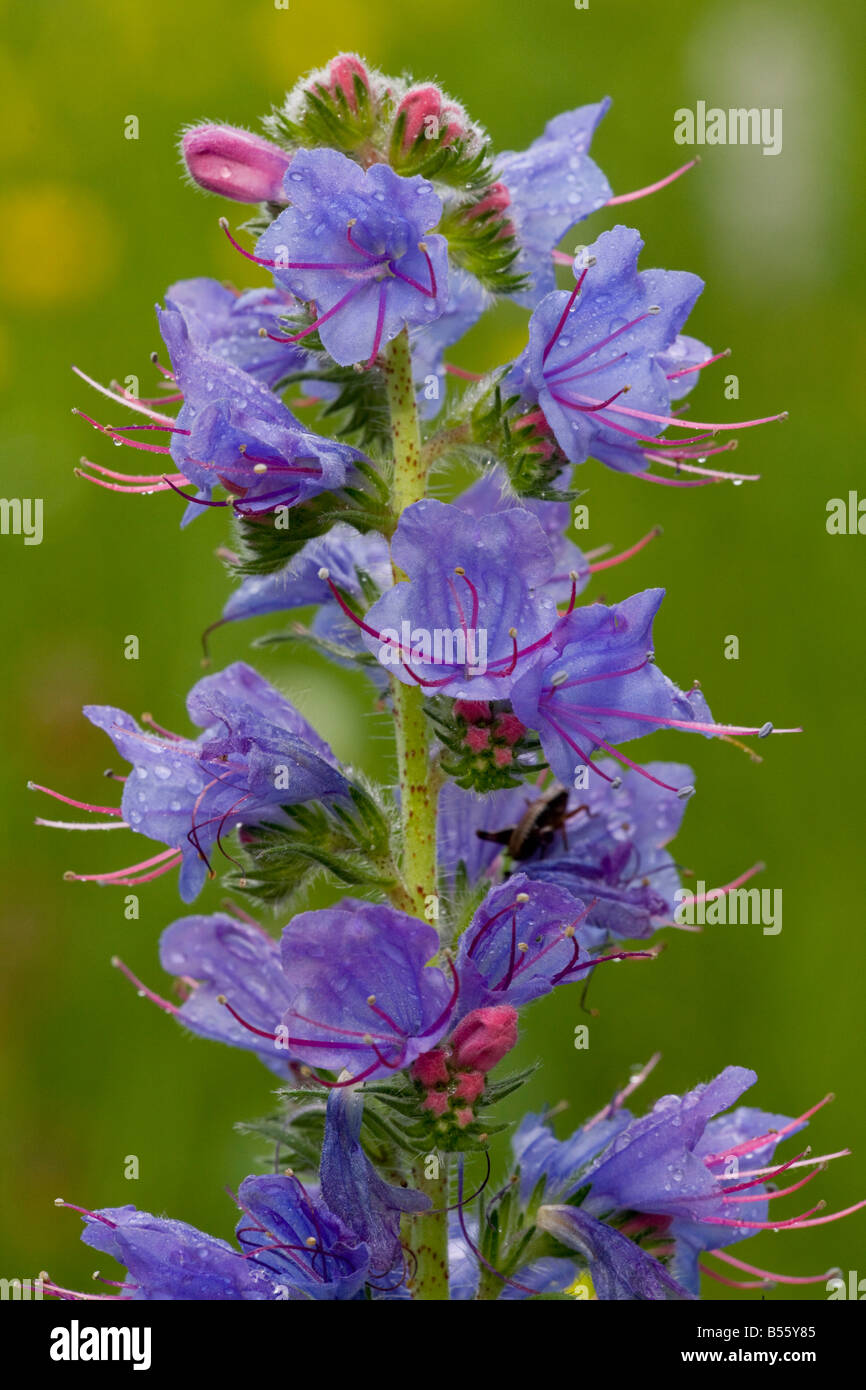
{"x":235,"y":163}
{"x":483,"y":1038}
{"x":426,"y":113}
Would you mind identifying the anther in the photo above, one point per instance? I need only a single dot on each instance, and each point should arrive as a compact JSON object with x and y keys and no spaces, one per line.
{"x":559,"y":678}
{"x":765,"y":729}
{"x":522,"y":898}
{"x":685,"y":792}
{"x":324,"y":573}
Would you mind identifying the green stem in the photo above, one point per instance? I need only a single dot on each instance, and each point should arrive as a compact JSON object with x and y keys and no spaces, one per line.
{"x":417,"y":797}
{"x":417,"y":801}
{"x":429,"y":1235}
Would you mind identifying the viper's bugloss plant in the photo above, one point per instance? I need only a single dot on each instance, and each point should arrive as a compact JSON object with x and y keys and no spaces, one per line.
{"x":520,"y":847}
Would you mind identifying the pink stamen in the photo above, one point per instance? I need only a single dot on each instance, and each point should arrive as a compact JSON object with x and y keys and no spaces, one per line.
{"x":729,"y":729}
{"x":590,"y":351}
{"x":766,"y":1274}
{"x":652,"y":187}
{"x":623,"y":1095}
{"x":773,"y":1136}
{"x":79,"y":805}
{"x":713,"y":893}
{"x":675,"y":482}
{"x":462,"y":372}
{"x":565,"y":313}
{"x":783,"y":1192}
{"x":119,"y":873}
{"x":123,"y":397}
{"x":698,"y":366}
{"x":305,"y":332}
{"x":626,"y":554}
{"x":143,"y":989}
{"x":380,"y":324}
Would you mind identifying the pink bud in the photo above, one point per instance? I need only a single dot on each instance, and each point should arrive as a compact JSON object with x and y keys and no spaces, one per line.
{"x":431,"y":1068}
{"x":483,"y":1037}
{"x":477,"y":738}
{"x":464,"y":1116}
{"x":496,"y":199}
{"x":473,"y":711}
{"x":436,"y":1102}
{"x":502,"y":757}
{"x":235,"y":163}
{"x":427,"y":114}
{"x":510,"y":729}
{"x":469,"y":1086}
{"x":342,"y":72}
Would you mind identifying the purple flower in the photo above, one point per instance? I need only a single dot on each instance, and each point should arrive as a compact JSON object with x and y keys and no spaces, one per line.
{"x":615,"y":852}
{"x":467,"y":301}
{"x":600,"y":687}
{"x":293,"y":1234}
{"x":257,"y":754}
{"x":344,"y":552}
{"x":619,"y":1268}
{"x":363,"y":998}
{"x":552,"y":186}
{"x":460,"y":815}
{"x":587,"y":350}
{"x":358,"y":244}
{"x":220,"y":957}
{"x":525,"y":938}
{"x":354,"y":1191}
{"x":474,"y":611}
{"x":233,"y":431}
{"x":605,"y":363}
{"x":491,"y":494}
{"x":170,"y":1260}
{"x":229,"y":326}
{"x":685,"y":1172}
{"x":291,"y":1247}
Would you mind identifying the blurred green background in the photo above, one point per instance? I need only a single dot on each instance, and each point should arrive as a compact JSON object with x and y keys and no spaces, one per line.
{"x":93,"y":227}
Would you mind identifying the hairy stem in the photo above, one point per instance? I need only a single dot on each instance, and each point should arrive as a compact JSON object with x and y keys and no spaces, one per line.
{"x":417,"y":798}
{"x":417,"y":801}
{"x":429,"y":1234}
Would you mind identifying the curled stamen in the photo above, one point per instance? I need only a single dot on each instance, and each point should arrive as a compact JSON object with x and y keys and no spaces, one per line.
{"x":653,"y":187}
{"x":143,"y":990}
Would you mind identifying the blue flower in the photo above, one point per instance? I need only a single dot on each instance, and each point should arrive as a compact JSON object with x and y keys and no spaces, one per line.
{"x":611,"y":338}
{"x":615,"y":849}
{"x":525,"y":938}
{"x":171,"y":1260}
{"x":684,"y":1179}
{"x":229,"y":326}
{"x":552,"y":185}
{"x":354,"y":1191}
{"x":234,"y":432}
{"x":364,"y":999}
{"x":219,"y":957}
{"x":257,"y":754}
{"x":293,"y":1234}
{"x":474,"y":611}
{"x":600,"y":687}
{"x":347,"y":556}
{"x":467,"y":301}
{"x":291,"y":1247}
{"x":619,"y":1268}
{"x":359,"y":245}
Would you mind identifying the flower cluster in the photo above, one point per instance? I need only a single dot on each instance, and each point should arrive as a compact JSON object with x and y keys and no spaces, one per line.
{"x":520,"y":847}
